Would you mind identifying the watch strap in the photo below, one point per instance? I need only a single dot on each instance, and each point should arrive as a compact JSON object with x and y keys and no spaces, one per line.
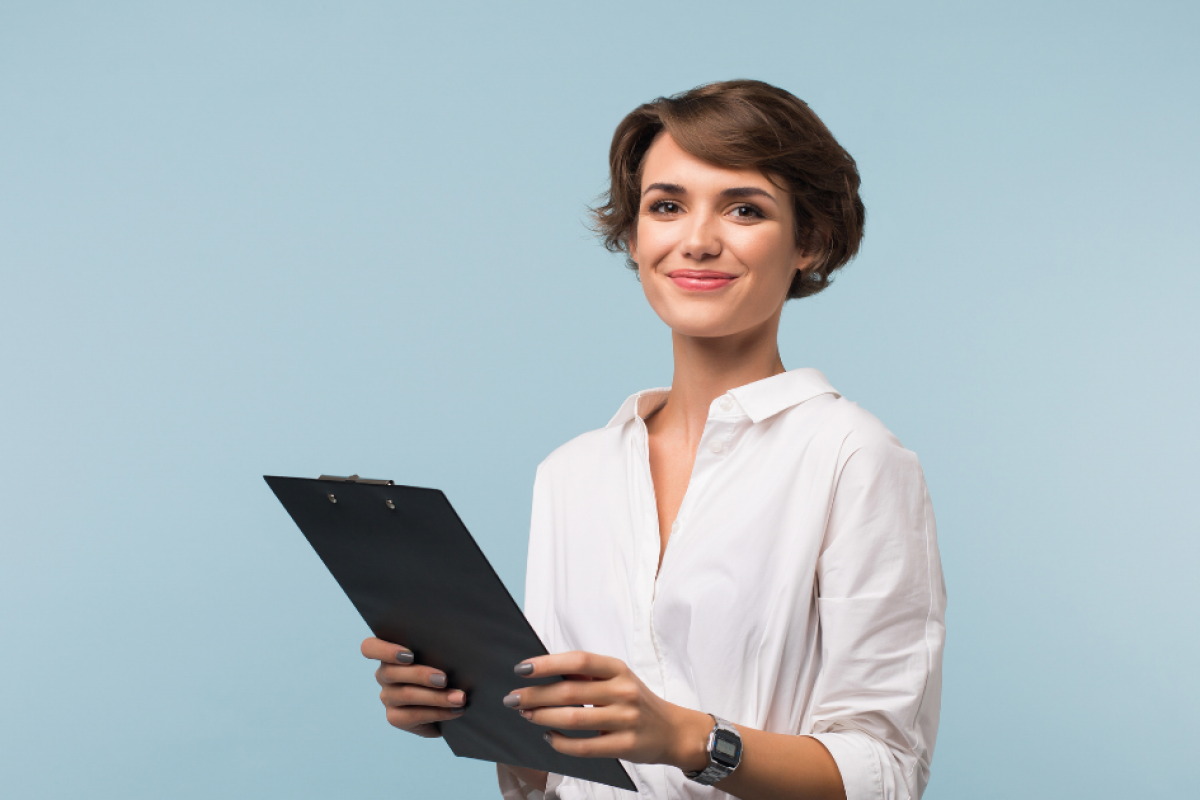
{"x":715,"y":770}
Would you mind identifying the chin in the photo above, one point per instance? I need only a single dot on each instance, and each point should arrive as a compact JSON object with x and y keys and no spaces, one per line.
{"x":703,"y":316}
{"x":701,"y":323}
{"x":713,"y":320}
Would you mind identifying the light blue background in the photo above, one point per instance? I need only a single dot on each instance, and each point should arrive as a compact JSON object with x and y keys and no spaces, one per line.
{"x":294,"y":238}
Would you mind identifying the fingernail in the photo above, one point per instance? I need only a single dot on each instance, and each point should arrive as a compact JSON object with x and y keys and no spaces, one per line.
{"x":546,"y":736}
{"x":524,"y":668}
{"x":512,"y":700}
{"x":404,"y":657}
{"x":457,"y":698}
{"x":438,"y":680}
{"x":526,"y":713}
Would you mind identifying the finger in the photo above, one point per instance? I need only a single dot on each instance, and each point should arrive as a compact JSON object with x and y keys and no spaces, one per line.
{"x":411,"y":717}
{"x":574,"y":718}
{"x":573,"y":663}
{"x":403,"y":694}
{"x":574,"y":693}
{"x":419,"y":675}
{"x":386,"y":652}
{"x":428,"y":731}
{"x":606,"y":745}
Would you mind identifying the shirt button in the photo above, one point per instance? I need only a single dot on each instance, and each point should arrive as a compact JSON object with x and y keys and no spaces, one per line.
{"x":716,"y":447}
{"x":726,"y":403}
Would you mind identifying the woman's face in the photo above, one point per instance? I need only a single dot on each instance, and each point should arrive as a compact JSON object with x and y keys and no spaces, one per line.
{"x":715,"y":247}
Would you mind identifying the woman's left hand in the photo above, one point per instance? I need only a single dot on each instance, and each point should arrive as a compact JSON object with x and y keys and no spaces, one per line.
{"x":635,"y":724}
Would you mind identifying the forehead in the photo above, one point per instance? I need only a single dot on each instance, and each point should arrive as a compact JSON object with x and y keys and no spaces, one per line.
{"x":667,"y":162}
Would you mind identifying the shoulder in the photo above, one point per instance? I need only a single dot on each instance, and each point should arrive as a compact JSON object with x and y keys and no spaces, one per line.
{"x":831,"y":416}
{"x":802,"y":411}
{"x":868,"y":452}
{"x":601,"y":447}
{"x":860,"y":428}
{"x":584,"y":455}
{"x":841,"y":432}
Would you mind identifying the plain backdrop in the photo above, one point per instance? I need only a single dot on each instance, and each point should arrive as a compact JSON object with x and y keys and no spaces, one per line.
{"x":257,"y":238}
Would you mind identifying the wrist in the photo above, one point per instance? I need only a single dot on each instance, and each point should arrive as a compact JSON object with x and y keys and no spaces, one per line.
{"x":689,"y":748}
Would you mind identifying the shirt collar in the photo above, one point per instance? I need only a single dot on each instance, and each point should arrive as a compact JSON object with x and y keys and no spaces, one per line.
{"x":760,"y":400}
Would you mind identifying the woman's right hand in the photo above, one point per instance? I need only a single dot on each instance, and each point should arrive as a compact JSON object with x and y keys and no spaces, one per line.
{"x":414,"y":696}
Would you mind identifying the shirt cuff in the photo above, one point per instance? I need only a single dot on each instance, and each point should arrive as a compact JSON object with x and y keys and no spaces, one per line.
{"x":857,"y":761}
{"x":513,"y":788}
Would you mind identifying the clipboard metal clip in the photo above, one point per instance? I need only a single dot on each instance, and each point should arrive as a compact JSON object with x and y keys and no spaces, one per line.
{"x":355,"y":479}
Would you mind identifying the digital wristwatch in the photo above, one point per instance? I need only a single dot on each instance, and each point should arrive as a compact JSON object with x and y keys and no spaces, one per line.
{"x":724,"y":753}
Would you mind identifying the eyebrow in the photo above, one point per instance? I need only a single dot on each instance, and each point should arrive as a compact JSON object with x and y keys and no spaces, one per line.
{"x":737,"y":192}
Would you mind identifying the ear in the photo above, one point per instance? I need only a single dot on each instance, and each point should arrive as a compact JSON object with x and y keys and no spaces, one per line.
{"x":804,"y":261}
{"x":631,"y":243}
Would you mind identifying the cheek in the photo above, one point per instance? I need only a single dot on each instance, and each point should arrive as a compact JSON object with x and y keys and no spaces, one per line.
{"x":650,"y":287}
{"x":773,"y":260}
{"x":656,"y":294}
{"x":764,"y":245}
{"x":653,"y":242}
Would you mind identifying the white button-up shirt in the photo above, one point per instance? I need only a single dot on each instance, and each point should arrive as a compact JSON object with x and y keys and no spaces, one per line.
{"x":800,"y":591}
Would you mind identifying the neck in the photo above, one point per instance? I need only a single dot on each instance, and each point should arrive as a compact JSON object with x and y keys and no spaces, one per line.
{"x":706,"y":368}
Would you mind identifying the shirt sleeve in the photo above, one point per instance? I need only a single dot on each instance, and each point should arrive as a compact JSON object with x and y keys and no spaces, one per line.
{"x":539,"y":610}
{"x":539,"y":567}
{"x":513,"y":788}
{"x":882,"y":603}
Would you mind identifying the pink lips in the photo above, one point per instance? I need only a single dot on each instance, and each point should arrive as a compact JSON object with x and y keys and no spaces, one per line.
{"x":700,"y":280}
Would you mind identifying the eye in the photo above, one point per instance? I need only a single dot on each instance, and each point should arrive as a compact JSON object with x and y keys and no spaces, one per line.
{"x":747,"y":211}
{"x":665,"y":207}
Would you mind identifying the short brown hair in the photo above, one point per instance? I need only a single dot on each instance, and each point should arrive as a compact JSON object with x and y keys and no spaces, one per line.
{"x":739,"y":124}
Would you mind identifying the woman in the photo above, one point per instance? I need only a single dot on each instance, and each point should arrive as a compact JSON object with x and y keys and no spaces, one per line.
{"x":738,"y":575}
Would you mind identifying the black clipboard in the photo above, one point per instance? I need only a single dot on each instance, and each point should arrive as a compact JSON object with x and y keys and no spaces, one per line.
{"x":417,"y":577}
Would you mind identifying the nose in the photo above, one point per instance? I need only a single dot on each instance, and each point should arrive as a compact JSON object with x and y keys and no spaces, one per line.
{"x":702,"y":239}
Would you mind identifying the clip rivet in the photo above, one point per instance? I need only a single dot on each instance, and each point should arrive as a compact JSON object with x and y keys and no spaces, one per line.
{"x":332,"y":498}
{"x":390,"y":504}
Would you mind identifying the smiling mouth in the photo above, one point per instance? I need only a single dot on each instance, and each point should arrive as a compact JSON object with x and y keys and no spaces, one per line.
{"x":700,"y":280}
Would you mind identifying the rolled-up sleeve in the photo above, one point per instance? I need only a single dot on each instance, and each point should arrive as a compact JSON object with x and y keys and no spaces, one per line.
{"x":882,"y":604}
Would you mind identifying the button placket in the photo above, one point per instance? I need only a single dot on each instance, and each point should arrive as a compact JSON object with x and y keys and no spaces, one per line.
{"x":722,"y":434}
{"x":654,"y":661}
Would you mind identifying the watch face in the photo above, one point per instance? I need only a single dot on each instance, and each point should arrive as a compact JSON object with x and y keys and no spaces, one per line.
{"x":727,"y":749}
